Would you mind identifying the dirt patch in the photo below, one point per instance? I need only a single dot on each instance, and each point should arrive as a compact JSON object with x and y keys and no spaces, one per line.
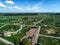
{"x":50,"y":31}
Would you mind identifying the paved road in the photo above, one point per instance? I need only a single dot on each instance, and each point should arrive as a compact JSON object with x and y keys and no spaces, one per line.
{"x":49,"y":36}
{"x":8,"y":24}
{"x":39,"y":21}
{"x":21,"y":27}
{"x":30,"y":25}
{"x":3,"y":26}
{"x":5,"y":41}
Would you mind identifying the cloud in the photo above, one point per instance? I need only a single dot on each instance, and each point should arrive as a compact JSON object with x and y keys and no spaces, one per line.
{"x":2,"y":5}
{"x":33,"y":8}
{"x":40,"y":3}
{"x":15,"y":7}
{"x":36,"y":7}
{"x":9,"y":2}
{"x":29,"y":8}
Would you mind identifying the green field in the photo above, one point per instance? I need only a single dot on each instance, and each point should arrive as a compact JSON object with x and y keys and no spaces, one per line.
{"x":48,"y":41}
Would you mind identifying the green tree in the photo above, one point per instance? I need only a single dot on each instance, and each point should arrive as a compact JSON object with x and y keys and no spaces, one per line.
{"x":25,"y":41}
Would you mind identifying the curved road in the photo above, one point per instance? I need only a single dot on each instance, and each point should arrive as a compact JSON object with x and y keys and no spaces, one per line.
{"x":5,"y":41}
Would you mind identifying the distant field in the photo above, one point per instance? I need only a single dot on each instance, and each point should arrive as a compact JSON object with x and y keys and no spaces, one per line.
{"x":52,"y":20}
{"x":28,"y":20}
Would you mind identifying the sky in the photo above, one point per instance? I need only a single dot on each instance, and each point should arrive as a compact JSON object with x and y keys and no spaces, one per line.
{"x":29,"y":6}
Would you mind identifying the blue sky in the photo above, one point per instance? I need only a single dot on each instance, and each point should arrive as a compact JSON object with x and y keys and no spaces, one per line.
{"x":28,"y":6}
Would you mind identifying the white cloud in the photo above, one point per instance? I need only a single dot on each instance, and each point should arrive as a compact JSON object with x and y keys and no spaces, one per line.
{"x":36,"y":7}
{"x":9,"y":2}
{"x":29,"y":8}
{"x":2,"y":5}
{"x":10,"y":7}
{"x":15,"y":7}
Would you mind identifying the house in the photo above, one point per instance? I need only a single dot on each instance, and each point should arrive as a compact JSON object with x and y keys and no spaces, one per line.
{"x":7,"y":33}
